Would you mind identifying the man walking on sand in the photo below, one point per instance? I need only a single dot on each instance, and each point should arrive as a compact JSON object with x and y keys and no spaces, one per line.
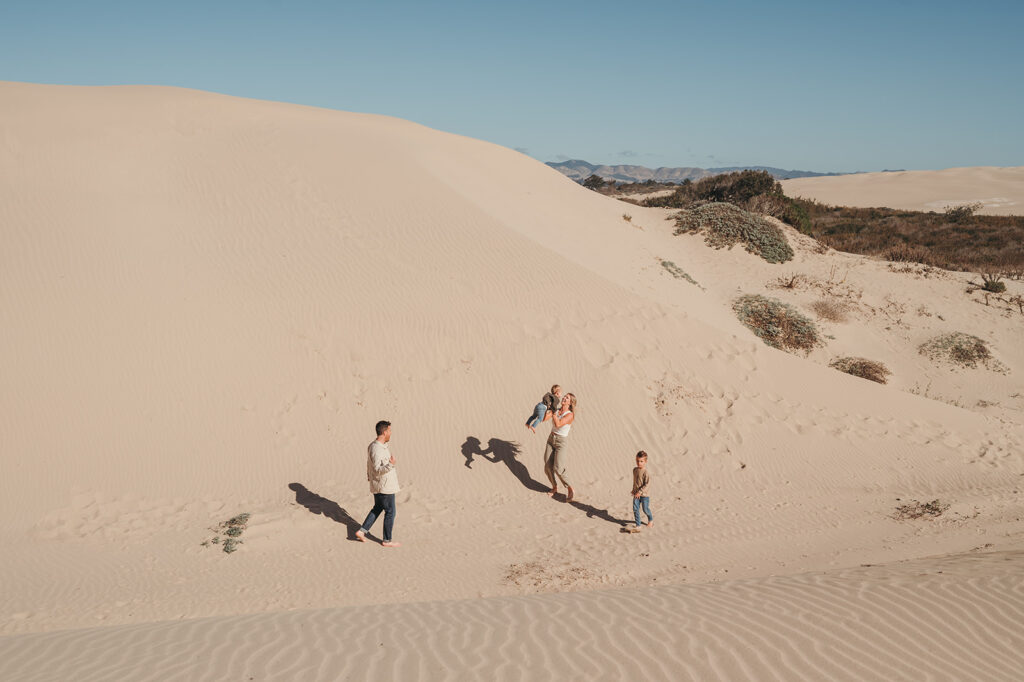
{"x":380,"y":472}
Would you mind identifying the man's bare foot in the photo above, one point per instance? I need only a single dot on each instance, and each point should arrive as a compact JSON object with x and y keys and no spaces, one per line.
{"x":533,"y":429}
{"x":570,"y":495}
{"x":650,"y":523}
{"x":361,"y":536}
{"x":634,"y":529}
{"x":391,"y":543}
{"x":552,"y":492}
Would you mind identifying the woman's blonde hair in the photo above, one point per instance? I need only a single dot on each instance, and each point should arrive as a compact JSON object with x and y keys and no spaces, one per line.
{"x":572,"y":402}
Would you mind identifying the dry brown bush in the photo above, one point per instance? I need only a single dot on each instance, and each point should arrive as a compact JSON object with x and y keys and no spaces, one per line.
{"x":830,"y":309}
{"x":863,"y":368}
{"x":905,"y":253}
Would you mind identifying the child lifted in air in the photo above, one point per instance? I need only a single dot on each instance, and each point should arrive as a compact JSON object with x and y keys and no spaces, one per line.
{"x":550,"y":401}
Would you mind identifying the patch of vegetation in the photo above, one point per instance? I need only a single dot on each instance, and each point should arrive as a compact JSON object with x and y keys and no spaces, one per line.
{"x":954,"y":240}
{"x":793,"y":280}
{"x":993,"y":281}
{"x":725,"y":225}
{"x":962,"y":213}
{"x":830,"y":309}
{"x":755,"y":191}
{"x":918,"y":510}
{"x":679,"y":273}
{"x":963,"y":350}
{"x":863,"y":368}
{"x":231,"y":530}
{"x":778,"y":324}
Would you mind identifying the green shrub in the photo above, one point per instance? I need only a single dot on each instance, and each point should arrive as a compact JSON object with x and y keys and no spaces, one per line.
{"x":993,"y":282}
{"x":232,"y":530}
{"x":863,"y":368}
{"x":734,"y":188}
{"x":778,"y":324}
{"x":960,"y":349}
{"x":725,"y":225}
{"x":796,"y":215}
{"x":678,"y":272}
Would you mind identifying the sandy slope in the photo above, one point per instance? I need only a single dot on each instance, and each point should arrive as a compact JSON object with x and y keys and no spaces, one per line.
{"x":945,"y":619}
{"x":1000,"y":190}
{"x":213,"y":300}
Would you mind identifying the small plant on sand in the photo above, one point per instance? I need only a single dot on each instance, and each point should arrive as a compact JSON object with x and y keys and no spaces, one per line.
{"x":962,"y":350}
{"x":905,"y":253}
{"x":232,"y":530}
{"x":793,"y":280}
{"x":678,"y":272}
{"x":778,"y":324}
{"x":917,"y":510}
{"x":725,"y":225}
{"x":830,"y":309}
{"x":993,"y":282}
{"x":863,"y":368}
{"x":628,"y":218}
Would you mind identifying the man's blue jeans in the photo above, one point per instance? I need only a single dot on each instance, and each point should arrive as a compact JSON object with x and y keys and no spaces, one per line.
{"x":646,"y":502}
{"x":381,"y":503}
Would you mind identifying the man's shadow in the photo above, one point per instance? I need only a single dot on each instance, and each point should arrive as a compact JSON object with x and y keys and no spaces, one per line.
{"x":329,"y":508}
{"x":505,"y":452}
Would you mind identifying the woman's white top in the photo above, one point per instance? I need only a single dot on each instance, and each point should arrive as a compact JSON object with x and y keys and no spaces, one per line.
{"x":562,"y":430}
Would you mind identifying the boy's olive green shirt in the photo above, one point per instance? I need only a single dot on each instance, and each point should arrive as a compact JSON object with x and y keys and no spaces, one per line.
{"x":641,"y":481}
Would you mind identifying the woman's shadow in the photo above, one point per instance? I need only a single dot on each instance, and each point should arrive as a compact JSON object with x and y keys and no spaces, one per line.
{"x":505,"y":452}
{"x":508,"y":453}
{"x":329,"y":508}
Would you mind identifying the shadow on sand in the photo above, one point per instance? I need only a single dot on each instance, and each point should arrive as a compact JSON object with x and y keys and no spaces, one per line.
{"x":593,"y":512}
{"x":505,"y":452}
{"x":329,"y":508}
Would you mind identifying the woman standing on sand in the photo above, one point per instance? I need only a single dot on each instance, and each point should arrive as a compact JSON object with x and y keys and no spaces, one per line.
{"x":554,"y":451}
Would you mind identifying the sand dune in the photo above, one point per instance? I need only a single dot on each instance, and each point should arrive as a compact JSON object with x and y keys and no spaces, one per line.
{"x":999,"y":190}
{"x":211,"y":300}
{"x":951,"y":619}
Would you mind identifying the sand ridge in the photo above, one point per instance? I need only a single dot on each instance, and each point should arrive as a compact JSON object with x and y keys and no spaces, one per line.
{"x":999,"y":190}
{"x":933,"y":618}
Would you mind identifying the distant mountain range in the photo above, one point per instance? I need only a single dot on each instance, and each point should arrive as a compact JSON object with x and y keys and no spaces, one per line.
{"x":581,"y":170}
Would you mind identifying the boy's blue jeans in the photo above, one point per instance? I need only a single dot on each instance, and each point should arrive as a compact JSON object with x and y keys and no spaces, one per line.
{"x":646,"y":502}
{"x":537,"y":416}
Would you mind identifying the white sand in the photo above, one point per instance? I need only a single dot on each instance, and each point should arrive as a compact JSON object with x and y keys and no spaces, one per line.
{"x":209,"y":301}
{"x":999,"y":190}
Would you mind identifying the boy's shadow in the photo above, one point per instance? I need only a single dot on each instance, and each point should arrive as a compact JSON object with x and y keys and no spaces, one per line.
{"x":329,"y":508}
{"x":502,"y":451}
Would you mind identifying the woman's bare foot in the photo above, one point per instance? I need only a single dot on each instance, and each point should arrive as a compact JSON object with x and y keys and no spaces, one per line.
{"x":650,"y":523}
{"x":532,"y":429}
{"x":360,"y":535}
{"x":391,"y":543}
{"x":570,"y":495}
{"x":553,"y":491}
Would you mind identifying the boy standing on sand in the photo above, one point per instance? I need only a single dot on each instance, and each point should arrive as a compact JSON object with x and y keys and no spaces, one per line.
{"x":641,"y":484}
{"x":380,"y":472}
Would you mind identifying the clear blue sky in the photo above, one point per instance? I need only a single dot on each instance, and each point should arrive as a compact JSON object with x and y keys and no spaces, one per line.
{"x":820,"y":85}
